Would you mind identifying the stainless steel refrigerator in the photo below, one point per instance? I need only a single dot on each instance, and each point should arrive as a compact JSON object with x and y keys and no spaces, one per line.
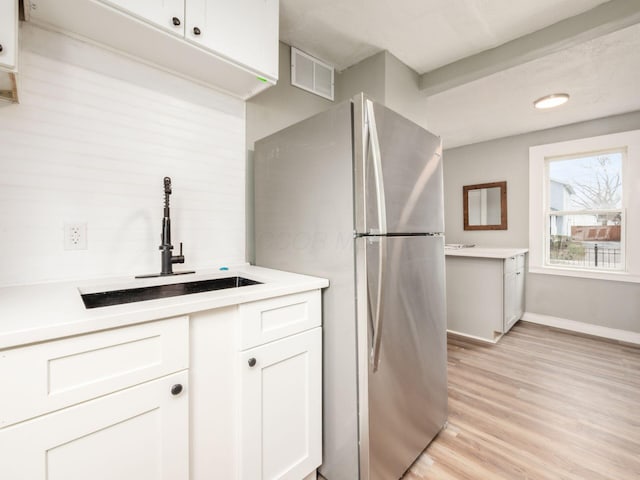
{"x":354,"y":194}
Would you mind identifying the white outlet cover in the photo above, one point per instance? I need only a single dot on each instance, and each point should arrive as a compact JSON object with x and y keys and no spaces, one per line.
{"x":75,"y":236}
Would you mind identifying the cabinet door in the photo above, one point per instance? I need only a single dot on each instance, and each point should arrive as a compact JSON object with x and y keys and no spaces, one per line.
{"x":166,"y":14}
{"x":510,"y":306}
{"x":8,"y":36}
{"x":519,"y":294}
{"x":137,"y":433}
{"x":281,"y":436}
{"x":245,"y":31}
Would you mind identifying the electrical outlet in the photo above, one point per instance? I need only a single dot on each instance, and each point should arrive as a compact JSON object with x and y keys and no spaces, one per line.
{"x":75,"y":236}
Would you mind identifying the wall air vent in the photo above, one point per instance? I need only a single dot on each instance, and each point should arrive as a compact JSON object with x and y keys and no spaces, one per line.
{"x":311,"y":74}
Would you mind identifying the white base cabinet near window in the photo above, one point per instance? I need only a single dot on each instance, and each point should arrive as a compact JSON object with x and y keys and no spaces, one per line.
{"x":485,"y":291}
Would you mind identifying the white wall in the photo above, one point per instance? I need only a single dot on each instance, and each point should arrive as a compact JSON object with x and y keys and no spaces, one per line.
{"x":83,"y":146}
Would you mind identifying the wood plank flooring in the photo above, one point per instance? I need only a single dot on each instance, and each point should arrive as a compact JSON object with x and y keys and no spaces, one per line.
{"x":542,"y":404}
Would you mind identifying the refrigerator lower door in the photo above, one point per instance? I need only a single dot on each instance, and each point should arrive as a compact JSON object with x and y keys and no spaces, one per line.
{"x":401,"y":350}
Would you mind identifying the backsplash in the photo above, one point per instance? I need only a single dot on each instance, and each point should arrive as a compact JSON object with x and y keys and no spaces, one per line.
{"x":86,"y":147}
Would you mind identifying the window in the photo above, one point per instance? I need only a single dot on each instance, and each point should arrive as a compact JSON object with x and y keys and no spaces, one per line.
{"x":583,"y":198}
{"x":585,"y":219}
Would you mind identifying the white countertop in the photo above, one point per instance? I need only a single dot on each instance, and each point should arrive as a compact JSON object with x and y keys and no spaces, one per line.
{"x":34,"y":313}
{"x":484,"y":252}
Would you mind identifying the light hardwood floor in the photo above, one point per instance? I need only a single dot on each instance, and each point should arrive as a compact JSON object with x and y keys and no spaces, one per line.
{"x":542,"y":404}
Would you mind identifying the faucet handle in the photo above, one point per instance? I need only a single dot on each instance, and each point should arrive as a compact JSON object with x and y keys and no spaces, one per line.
{"x":178,"y":258}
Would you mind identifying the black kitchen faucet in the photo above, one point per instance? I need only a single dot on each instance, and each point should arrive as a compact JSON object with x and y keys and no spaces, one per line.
{"x":165,"y":247}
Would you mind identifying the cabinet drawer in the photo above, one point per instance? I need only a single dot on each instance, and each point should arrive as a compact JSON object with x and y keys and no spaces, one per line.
{"x":510,"y":264}
{"x":520,"y":262}
{"x":52,"y":375}
{"x":267,"y":320}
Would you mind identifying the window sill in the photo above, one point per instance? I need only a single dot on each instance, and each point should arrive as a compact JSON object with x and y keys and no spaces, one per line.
{"x":591,"y":274}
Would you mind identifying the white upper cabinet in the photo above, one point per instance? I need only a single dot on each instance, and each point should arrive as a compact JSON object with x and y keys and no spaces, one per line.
{"x":230,"y":45}
{"x":166,"y":14}
{"x":243,"y":30}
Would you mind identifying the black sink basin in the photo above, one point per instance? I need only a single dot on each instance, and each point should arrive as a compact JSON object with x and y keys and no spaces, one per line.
{"x":129,"y":295}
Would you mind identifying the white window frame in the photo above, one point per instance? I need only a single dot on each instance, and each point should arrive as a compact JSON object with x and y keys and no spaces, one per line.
{"x":538,"y":198}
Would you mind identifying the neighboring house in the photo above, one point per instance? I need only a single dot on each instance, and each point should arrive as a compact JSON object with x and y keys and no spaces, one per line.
{"x":560,"y":200}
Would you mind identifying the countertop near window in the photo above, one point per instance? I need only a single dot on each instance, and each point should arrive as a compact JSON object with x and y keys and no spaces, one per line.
{"x":484,"y":252}
{"x":35,"y":313}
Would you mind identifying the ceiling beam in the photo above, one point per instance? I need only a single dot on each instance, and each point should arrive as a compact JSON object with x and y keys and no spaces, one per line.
{"x":601,"y":20}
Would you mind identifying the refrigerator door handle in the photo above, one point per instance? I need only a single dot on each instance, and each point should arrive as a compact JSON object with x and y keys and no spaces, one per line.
{"x":377,"y":169}
{"x":377,"y":330}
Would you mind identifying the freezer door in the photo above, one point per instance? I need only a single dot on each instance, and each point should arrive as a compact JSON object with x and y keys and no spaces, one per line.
{"x":402,"y":350}
{"x":398,"y":173}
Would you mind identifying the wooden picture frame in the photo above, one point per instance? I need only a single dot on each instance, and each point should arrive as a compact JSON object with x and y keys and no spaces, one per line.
{"x":503,"y":206}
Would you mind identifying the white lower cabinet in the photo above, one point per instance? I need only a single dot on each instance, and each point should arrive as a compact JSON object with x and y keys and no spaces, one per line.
{"x":281,"y":431}
{"x":137,"y":433}
{"x":232,"y":393}
{"x":256,"y":390}
{"x":99,"y":406}
{"x":485,"y":295}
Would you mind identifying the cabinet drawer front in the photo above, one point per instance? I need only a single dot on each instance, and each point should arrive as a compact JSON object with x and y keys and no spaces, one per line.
{"x":268,"y":320}
{"x":520,"y":262}
{"x":53,"y":375}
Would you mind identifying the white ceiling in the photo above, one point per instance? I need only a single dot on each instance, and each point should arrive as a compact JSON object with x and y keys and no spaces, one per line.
{"x":601,"y":75}
{"x":424,"y":34}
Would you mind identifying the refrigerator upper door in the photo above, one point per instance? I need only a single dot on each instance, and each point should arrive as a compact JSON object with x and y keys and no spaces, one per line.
{"x":398,"y":173}
{"x":402,"y":350}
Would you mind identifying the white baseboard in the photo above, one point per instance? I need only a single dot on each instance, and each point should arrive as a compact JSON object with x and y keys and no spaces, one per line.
{"x":473,"y":337}
{"x":580,"y":327}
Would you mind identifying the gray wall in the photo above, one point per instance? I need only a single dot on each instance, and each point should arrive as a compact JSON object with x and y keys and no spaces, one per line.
{"x":382,"y":77}
{"x":402,"y":91}
{"x":606,"y":303}
{"x":281,"y":105}
{"x":367,"y":76}
{"x":272,"y":110}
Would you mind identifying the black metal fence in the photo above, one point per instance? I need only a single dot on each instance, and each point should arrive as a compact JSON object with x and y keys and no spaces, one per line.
{"x":602,"y":256}
{"x":592,"y":255}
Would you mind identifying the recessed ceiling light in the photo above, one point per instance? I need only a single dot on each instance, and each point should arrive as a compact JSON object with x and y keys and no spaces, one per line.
{"x":551,"y":101}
